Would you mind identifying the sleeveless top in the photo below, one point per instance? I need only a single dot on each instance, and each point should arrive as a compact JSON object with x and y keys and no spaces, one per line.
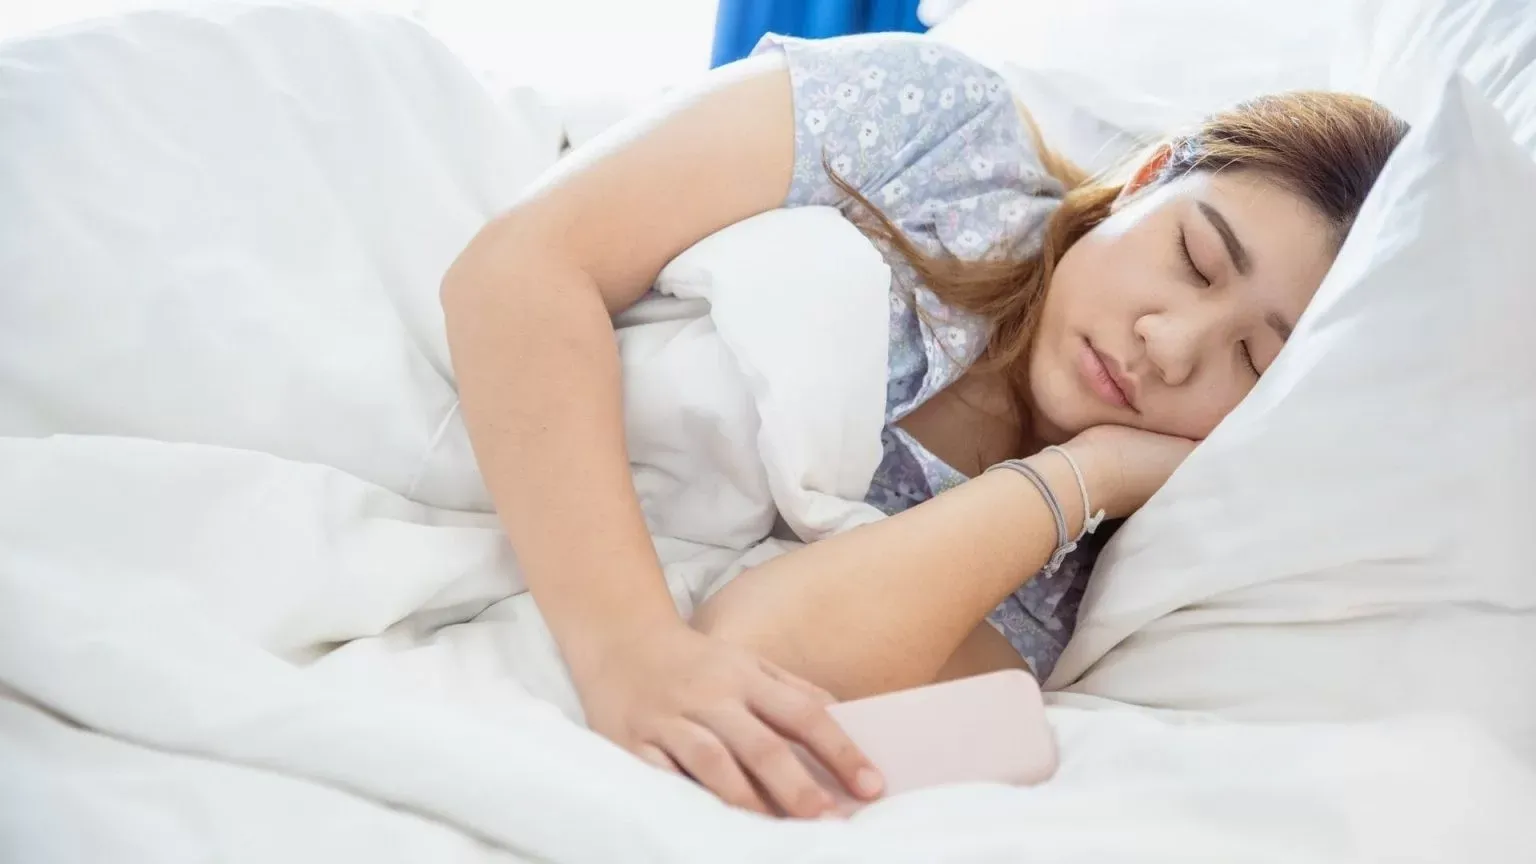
{"x":933,"y":138}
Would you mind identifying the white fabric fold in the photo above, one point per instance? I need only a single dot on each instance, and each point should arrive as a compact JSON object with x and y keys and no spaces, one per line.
{"x":253,"y":606}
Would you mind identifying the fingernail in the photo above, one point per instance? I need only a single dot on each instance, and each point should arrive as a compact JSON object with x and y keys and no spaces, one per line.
{"x":869,"y":782}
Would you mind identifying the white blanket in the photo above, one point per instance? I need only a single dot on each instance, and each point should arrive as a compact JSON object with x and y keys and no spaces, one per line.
{"x":211,"y":653}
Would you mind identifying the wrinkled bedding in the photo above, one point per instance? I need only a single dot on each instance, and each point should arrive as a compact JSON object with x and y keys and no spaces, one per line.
{"x":212,"y":652}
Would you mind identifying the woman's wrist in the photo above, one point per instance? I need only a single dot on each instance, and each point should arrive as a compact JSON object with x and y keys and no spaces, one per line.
{"x":1058,"y":476}
{"x":598,"y":643}
{"x":1100,"y":475}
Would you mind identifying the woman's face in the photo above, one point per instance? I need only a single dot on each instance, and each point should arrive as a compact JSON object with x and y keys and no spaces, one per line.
{"x":1137,"y":334}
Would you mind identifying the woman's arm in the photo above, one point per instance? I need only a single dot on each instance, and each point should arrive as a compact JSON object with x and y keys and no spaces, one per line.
{"x":885,"y":606}
{"x":528,"y":307}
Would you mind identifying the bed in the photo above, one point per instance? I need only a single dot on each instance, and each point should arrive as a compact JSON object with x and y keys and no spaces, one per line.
{"x":253,"y":605}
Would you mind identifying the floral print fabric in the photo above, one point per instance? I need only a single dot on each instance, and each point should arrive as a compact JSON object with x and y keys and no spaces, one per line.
{"x":933,"y":139}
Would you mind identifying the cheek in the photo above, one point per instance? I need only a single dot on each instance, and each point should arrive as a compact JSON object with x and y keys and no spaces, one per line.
{"x":1103,"y":278}
{"x":1078,"y":292}
{"x":1079,"y":302}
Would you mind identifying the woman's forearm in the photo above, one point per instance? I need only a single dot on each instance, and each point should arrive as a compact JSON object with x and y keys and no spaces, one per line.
{"x":539,"y":379}
{"x":886,"y":605}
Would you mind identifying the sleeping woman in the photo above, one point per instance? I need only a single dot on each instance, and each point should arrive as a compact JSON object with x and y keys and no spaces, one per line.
{"x":1078,"y":333}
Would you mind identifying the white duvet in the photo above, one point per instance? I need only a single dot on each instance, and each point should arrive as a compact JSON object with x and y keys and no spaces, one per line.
{"x":218,"y":654}
{"x":251,"y":610}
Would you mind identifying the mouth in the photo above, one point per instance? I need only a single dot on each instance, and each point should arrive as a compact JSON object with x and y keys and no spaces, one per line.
{"x":1100,"y":376}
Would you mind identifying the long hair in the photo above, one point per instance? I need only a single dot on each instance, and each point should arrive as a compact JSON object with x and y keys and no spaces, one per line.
{"x":1327,"y":148}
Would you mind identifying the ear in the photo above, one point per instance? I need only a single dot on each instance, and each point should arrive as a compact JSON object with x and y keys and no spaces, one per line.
{"x":1151,"y":168}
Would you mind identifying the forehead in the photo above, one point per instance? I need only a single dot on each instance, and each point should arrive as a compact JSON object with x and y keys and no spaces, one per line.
{"x":1289,"y":242}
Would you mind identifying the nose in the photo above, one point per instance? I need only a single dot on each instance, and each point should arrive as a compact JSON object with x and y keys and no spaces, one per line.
{"x":1174,"y":343}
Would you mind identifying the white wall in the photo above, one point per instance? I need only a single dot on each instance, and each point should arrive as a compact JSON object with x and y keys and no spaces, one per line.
{"x":567,"y":48}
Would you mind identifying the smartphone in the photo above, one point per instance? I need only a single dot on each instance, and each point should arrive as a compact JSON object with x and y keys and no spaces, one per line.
{"x":988,"y":728}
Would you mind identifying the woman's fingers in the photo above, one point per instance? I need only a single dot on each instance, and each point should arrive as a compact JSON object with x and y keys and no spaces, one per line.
{"x":804,"y":719}
{"x":657,"y":757}
{"x":699,"y":751}
{"x":771,"y":762}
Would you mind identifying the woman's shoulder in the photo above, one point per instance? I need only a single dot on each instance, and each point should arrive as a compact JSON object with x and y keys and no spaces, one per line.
{"x":908,"y":65}
{"x":913,"y":51}
{"x":907,"y":120}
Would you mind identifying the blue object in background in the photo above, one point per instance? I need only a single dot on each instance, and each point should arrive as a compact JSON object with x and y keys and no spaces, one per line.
{"x":741,"y":23}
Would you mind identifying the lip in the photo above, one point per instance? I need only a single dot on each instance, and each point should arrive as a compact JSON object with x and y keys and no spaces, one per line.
{"x":1104,"y":379}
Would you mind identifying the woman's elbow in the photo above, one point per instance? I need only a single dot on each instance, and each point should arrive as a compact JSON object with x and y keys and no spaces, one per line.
{"x":462,"y":286}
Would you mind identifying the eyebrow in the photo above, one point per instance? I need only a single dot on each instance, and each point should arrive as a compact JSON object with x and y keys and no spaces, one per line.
{"x":1235,"y":249}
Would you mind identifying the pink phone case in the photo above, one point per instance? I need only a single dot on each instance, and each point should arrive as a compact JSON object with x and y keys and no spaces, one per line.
{"x":985,"y":729}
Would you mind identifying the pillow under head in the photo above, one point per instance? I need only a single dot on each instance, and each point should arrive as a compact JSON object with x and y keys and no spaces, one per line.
{"x":1354,"y":539}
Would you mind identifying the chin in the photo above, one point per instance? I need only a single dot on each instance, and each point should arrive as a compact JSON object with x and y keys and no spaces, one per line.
{"x":1053,"y":425}
{"x":1055,"y":417}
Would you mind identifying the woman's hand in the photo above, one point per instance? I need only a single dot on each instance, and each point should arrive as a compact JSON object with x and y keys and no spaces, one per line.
{"x":685,"y":701}
{"x":1124,"y":466}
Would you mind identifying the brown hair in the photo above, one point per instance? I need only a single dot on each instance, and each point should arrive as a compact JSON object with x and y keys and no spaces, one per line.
{"x":1328,"y":148}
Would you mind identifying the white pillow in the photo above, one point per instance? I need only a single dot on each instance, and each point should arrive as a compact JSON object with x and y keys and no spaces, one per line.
{"x":1139,"y":70}
{"x":1354,"y":540}
{"x":1492,"y":43}
{"x":227,"y":224}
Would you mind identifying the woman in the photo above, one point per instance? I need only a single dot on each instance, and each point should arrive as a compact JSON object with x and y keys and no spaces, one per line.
{"x":1031,"y":307}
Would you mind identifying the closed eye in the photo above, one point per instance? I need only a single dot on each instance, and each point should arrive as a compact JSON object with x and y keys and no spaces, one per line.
{"x":1242,"y":348}
{"x":1189,"y":260}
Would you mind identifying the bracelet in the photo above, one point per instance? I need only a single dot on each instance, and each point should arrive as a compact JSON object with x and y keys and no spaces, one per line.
{"x":1091,"y":520}
{"x":1064,"y":545}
